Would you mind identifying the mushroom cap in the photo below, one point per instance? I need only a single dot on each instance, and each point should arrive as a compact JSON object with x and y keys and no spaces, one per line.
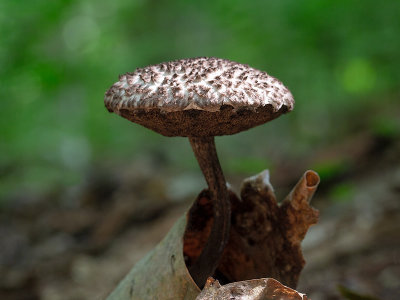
{"x":198,"y":97}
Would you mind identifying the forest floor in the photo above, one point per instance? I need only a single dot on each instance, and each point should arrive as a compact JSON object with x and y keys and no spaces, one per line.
{"x":78,"y":243}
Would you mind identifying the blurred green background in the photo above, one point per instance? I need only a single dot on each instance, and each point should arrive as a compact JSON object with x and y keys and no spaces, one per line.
{"x":340,"y":59}
{"x":76,"y":181}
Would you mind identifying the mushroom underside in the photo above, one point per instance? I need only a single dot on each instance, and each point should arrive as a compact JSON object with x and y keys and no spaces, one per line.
{"x":200,"y":123}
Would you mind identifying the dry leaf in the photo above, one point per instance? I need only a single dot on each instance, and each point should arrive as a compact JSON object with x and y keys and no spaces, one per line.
{"x":264,"y":242}
{"x":161,"y":274}
{"x":256,"y":289}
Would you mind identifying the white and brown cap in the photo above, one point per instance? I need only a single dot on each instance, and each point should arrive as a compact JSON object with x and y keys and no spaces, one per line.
{"x":198,"y":97}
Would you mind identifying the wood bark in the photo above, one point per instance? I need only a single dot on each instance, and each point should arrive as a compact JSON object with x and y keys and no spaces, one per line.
{"x":264,"y":243}
{"x":265,"y":238}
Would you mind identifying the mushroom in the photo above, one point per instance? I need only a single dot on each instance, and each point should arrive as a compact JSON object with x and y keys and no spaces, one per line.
{"x":201,"y":98}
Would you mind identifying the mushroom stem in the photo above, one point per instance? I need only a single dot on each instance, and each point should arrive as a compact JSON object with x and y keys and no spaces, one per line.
{"x":207,"y":262}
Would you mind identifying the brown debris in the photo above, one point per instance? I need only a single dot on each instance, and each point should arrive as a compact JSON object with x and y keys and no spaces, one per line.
{"x":265,"y":236}
{"x":257,"y":289}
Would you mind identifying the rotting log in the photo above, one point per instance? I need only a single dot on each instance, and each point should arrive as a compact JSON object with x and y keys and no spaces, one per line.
{"x":264,"y":243}
{"x":265,"y":239}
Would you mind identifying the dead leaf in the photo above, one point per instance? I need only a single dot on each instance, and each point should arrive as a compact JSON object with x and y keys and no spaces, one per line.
{"x":161,"y":274}
{"x":256,"y":289}
{"x":264,"y":242}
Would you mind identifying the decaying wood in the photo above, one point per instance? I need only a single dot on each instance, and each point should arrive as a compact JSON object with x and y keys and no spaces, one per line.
{"x":264,"y":243}
{"x":265,"y":236}
{"x":256,"y":289}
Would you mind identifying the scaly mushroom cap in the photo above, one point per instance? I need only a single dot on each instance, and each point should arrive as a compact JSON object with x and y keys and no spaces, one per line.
{"x":198,"y":97}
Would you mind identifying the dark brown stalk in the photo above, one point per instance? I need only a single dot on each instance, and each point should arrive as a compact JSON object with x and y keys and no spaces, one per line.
{"x":207,"y":262}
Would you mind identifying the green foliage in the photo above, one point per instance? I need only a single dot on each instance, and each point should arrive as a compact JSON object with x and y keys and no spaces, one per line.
{"x":57,"y":58}
{"x":331,"y":169}
{"x":247,"y":165}
{"x":343,"y":192}
{"x":386,"y":127}
{"x":346,"y":293}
